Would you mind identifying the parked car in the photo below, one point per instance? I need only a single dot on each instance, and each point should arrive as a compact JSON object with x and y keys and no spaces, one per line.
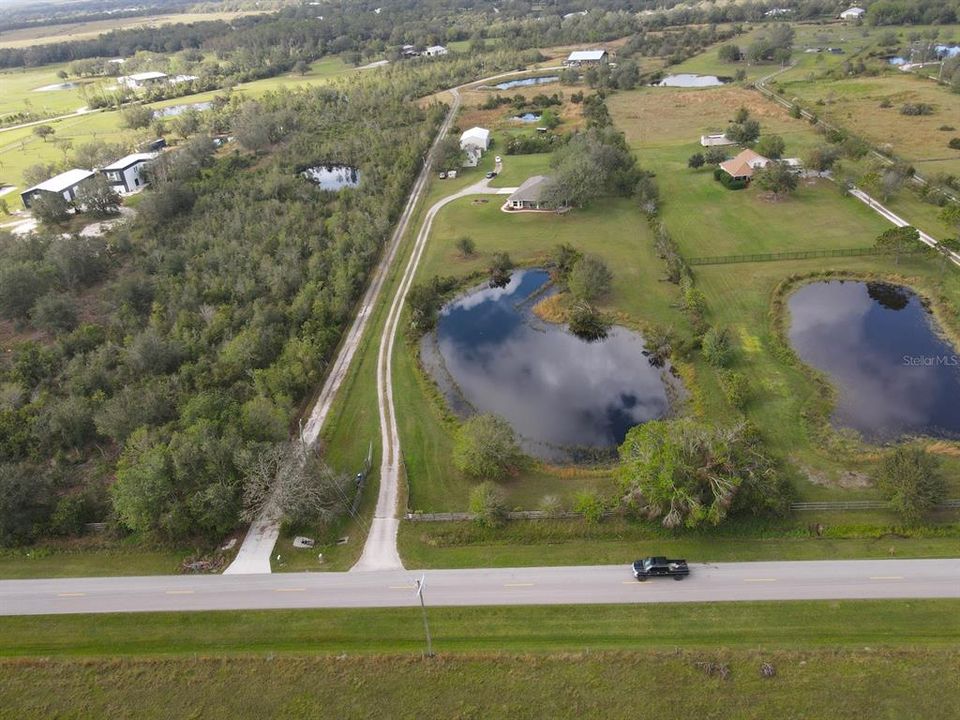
{"x":660,"y":566}
{"x":497,"y":160}
{"x":491,"y":174}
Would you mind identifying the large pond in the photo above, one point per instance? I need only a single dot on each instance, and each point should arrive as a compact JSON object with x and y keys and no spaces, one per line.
{"x":333,"y":177}
{"x":567,"y":398}
{"x":527,"y":82}
{"x":689,"y":80}
{"x":894,"y":373}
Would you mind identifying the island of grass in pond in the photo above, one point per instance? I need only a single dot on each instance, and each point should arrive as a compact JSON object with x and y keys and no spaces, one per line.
{"x":895,"y":375}
{"x":567,"y":398}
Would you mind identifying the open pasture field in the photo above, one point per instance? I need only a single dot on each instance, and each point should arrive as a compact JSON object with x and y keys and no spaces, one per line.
{"x":37,"y":90}
{"x":856,"y":105}
{"x":20,"y":148}
{"x":66,"y":32}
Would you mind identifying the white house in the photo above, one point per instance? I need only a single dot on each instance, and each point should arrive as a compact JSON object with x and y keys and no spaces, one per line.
{"x":477,"y":137}
{"x":181,"y":79}
{"x":715,"y":140}
{"x":126,"y":174}
{"x":435,"y":51}
{"x":579,"y":58}
{"x":471,"y":156}
{"x":854,"y":13}
{"x":574,"y":14}
{"x":142,"y":79}
{"x":64,"y":184}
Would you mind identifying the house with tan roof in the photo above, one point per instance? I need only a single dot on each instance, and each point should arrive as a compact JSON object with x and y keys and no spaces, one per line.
{"x":742,"y":166}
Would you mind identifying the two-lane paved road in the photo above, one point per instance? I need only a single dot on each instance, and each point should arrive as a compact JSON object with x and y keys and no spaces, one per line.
{"x":821,"y":580}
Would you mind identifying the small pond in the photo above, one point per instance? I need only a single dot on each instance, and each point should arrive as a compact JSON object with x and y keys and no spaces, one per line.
{"x":689,"y":80}
{"x":527,"y":82}
{"x":333,"y":177}
{"x":528,"y":117}
{"x":567,"y":398}
{"x":175,"y":110}
{"x":57,"y":86}
{"x":894,"y":374}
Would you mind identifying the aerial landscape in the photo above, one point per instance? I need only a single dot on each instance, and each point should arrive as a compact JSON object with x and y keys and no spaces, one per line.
{"x":389,"y":359}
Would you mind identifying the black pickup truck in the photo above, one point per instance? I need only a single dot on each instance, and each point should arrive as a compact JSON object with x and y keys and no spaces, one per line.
{"x":660,"y":567}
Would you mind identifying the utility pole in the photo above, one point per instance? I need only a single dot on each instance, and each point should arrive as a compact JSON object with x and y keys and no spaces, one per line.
{"x":426,"y":627}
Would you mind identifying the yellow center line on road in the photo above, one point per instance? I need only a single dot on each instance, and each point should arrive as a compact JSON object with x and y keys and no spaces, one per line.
{"x":73,"y":594}
{"x":179,"y":592}
{"x":518,"y":584}
{"x":887,"y":577}
{"x":759,"y":579}
{"x":289,"y":589}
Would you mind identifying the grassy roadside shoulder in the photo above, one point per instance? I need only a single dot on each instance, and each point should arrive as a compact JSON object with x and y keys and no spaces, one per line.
{"x":846,"y":536}
{"x":793,"y":625}
{"x":829,"y":660}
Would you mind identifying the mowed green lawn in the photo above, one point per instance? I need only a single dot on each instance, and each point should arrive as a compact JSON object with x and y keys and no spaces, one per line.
{"x":831,"y":660}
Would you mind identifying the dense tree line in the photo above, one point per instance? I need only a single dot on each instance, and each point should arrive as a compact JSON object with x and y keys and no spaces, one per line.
{"x":361,"y":30}
{"x":207,"y":321}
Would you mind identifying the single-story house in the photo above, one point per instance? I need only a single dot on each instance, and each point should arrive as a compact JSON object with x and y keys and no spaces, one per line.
{"x":435,"y":51}
{"x":579,"y":58}
{"x":528,"y":195}
{"x":853,"y":13}
{"x":409,"y":51}
{"x":173,"y":80}
{"x":126,"y":174}
{"x":742,"y":166}
{"x":776,"y":12}
{"x":715,"y":140}
{"x":574,"y":14}
{"x":477,"y":137}
{"x":142,"y":79}
{"x":64,"y":184}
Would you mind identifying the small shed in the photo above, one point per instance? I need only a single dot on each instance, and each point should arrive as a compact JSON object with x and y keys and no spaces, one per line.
{"x":715,"y":140}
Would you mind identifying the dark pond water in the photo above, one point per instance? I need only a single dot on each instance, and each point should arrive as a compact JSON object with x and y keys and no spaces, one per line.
{"x":688,"y":80}
{"x":175,"y":110}
{"x":333,"y":177}
{"x":528,"y":117}
{"x":527,"y":82}
{"x":894,"y":374}
{"x":567,"y":398}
